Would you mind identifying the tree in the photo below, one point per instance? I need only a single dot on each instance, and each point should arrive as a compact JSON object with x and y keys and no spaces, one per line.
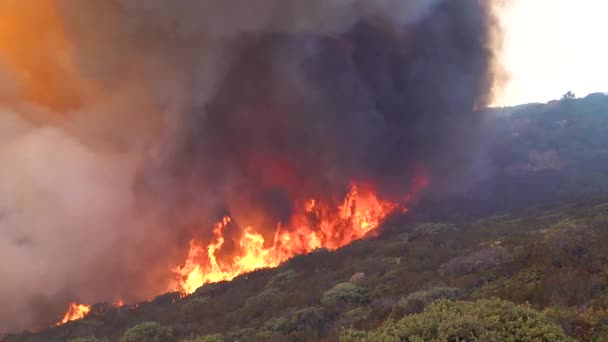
{"x":568,"y":96}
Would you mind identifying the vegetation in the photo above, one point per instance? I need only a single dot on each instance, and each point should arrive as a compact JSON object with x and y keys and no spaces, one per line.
{"x":88,"y":339}
{"x":484,"y":320}
{"x":344,"y":293}
{"x":147,"y":332}
{"x":521,"y":258}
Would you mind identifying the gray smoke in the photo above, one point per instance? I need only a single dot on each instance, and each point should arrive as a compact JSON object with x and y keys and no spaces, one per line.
{"x":190,"y":108}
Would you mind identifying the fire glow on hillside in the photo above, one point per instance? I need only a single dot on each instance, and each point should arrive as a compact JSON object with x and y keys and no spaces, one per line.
{"x":75,"y":312}
{"x":315,"y":226}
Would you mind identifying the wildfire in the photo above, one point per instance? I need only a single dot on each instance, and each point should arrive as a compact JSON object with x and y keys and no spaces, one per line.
{"x":316,"y":225}
{"x":75,"y":311}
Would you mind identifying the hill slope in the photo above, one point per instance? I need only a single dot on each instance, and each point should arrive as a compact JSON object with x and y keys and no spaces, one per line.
{"x":531,"y":230}
{"x":556,"y":260}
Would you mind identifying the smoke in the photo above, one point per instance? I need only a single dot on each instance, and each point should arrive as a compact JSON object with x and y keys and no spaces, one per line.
{"x":130,"y":125}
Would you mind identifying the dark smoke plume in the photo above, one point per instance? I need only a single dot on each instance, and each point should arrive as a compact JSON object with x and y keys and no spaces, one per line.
{"x":186,"y":110}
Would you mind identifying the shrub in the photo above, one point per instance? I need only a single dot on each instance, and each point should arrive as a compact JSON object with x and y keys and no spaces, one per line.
{"x":520,"y":287}
{"x":417,"y":301}
{"x":427,"y":230}
{"x":569,"y":240}
{"x":194,"y":305}
{"x":310,"y":316}
{"x":585,"y":325}
{"x":275,"y":328}
{"x":485,"y":259}
{"x":345,"y":293}
{"x":483,"y":320}
{"x":281,"y":280}
{"x":89,"y":339}
{"x":354,"y":316}
{"x":147,"y":332}
{"x":310,"y":321}
{"x":208,"y":338}
{"x":240,"y":335}
{"x":262,"y":303}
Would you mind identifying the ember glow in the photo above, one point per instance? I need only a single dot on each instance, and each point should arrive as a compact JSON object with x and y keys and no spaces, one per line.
{"x":75,"y":312}
{"x":316,"y":225}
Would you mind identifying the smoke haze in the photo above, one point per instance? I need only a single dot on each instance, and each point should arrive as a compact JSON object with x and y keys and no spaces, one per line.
{"x":129,"y":126}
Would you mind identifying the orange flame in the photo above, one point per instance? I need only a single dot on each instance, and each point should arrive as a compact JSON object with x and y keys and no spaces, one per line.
{"x":75,"y":312}
{"x":317,"y":225}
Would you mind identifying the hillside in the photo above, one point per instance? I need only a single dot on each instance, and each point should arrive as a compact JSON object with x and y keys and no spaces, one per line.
{"x":518,"y":250}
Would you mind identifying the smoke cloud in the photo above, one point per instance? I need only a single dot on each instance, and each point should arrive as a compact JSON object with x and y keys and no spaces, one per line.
{"x":128,"y":126}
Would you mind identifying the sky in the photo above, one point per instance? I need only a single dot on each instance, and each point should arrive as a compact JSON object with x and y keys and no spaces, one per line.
{"x":554,"y":46}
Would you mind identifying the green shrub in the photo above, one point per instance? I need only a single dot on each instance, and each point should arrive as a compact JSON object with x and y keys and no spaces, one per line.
{"x":519,"y":287}
{"x":485,"y":259}
{"x":147,"y":332}
{"x":240,"y":335}
{"x":262,"y":303}
{"x":417,"y":301}
{"x":309,"y":323}
{"x":345,"y":293}
{"x":208,"y":338}
{"x":310,"y":316}
{"x":282,"y":280}
{"x":194,"y":305}
{"x":89,"y":339}
{"x":274,"y":329}
{"x":585,"y":325}
{"x":354,"y":316}
{"x":483,"y":320}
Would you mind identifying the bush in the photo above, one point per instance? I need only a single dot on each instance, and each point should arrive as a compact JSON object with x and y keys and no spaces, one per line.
{"x":354,"y":316}
{"x":310,"y":321}
{"x":147,"y":332}
{"x":309,"y":316}
{"x":240,"y":335}
{"x":281,"y":280}
{"x":345,"y":293}
{"x":208,"y":338}
{"x":417,"y":301}
{"x":274,"y":329}
{"x":89,"y":339}
{"x":482,"y":260}
{"x":194,"y":305}
{"x":519,"y":287}
{"x":427,"y":230}
{"x":585,"y":325}
{"x":483,"y":320}
{"x":262,"y":303}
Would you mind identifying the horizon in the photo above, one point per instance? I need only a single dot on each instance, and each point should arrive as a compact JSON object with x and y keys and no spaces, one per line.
{"x":534,"y":53}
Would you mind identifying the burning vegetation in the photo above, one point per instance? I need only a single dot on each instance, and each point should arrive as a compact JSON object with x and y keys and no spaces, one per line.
{"x":315,"y":226}
{"x":75,"y":311}
{"x":194,"y":141}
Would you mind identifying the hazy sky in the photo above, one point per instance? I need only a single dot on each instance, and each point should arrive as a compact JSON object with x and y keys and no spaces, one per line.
{"x":553,"y":46}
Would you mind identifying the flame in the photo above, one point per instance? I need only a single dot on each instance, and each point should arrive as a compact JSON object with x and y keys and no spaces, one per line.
{"x":317,"y":225}
{"x":75,"y":312}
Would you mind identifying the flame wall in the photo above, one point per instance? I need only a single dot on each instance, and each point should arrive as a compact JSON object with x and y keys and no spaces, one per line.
{"x":128,"y":127}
